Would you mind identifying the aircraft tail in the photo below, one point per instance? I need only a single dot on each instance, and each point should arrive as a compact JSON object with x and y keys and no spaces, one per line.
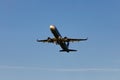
{"x":68,"y":50}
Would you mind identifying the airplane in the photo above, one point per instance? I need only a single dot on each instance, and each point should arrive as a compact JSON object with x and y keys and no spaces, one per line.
{"x":59,"y":40}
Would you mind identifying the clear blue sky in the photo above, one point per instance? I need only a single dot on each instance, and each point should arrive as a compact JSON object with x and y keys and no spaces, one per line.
{"x":23,"y":21}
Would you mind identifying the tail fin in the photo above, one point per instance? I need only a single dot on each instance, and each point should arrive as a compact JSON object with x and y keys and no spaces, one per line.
{"x":68,"y":50}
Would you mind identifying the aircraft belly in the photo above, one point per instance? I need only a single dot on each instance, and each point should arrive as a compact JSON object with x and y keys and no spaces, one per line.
{"x":63,"y":46}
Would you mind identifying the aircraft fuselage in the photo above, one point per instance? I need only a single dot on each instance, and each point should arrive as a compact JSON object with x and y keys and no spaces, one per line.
{"x":58,"y":36}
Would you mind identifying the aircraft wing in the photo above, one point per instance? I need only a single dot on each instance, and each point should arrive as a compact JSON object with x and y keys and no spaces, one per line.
{"x":49,"y":40}
{"x":42,"y":40}
{"x":73,"y":40}
{"x":52,"y":40}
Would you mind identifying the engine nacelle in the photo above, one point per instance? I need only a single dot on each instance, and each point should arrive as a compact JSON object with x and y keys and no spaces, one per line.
{"x":65,"y":39}
{"x":48,"y":38}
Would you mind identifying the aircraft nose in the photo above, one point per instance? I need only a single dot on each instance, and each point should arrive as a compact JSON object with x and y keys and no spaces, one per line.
{"x":52,"y":27}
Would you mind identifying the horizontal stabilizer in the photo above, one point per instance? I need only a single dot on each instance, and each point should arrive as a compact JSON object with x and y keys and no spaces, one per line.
{"x":67,"y":50}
